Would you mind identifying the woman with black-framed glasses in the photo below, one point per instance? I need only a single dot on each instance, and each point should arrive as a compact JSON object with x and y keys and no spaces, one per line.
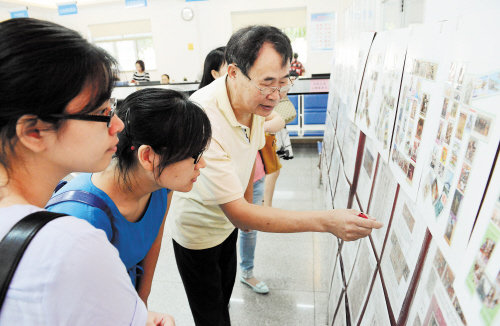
{"x":50,"y":127}
{"x":160,"y":150}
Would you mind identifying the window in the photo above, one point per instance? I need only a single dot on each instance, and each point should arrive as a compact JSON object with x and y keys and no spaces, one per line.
{"x":127,"y":50}
{"x":127,"y":41}
{"x":297,"y":36}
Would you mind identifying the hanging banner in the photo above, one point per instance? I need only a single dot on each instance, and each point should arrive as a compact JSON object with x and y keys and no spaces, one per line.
{"x":68,"y":8}
{"x":21,"y":12}
{"x":136,"y":3}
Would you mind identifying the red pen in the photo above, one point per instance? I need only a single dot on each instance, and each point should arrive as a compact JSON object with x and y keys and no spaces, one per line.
{"x":362,"y":215}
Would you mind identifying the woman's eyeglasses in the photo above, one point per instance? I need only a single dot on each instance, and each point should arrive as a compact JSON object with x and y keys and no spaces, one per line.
{"x":104,"y":117}
{"x":197,"y":157}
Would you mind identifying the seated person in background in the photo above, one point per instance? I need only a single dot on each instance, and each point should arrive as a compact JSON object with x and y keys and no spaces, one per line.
{"x":160,"y":150}
{"x":296,"y":68}
{"x":215,"y":66}
{"x":165,"y":79}
{"x":69,"y":274}
{"x":141,"y":74}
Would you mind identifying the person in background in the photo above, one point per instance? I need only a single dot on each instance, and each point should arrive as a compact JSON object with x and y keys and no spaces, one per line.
{"x":69,"y":274}
{"x":165,"y":79}
{"x":203,"y":222}
{"x":215,"y":66}
{"x":296,"y":68}
{"x":141,"y":74}
{"x":160,"y":150}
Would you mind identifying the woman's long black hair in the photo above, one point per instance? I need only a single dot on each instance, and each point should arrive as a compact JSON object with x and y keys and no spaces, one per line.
{"x":213,"y":61}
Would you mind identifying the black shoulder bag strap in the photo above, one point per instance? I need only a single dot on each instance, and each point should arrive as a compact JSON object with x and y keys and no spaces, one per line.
{"x":14,"y":244}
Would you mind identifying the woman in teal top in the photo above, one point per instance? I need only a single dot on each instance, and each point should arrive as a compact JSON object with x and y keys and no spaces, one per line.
{"x":160,"y":149}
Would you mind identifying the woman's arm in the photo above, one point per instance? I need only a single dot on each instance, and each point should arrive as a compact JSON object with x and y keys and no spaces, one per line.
{"x":149,"y":262}
{"x":274,"y":123}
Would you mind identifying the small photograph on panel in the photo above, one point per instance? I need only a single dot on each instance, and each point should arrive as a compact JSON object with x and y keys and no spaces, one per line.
{"x":443,"y":198}
{"x":488,"y":293}
{"x":457,"y":94}
{"x":468,"y":91}
{"x":408,"y":217}
{"x":482,"y":124}
{"x":471,"y":150}
{"x":480,"y":87}
{"x":461,"y":73}
{"x":414,"y":151}
{"x":440,"y":170}
{"x":450,"y":228}
{"x":425,"y":104}
{"x":420,"y":128}
{"x":464,"y":178}
{"x":440,"y":131}
{"x":445,"y":108}
{"x":439,"y":263}
{"x":416,"y":67}
{"x":448,"y":90}
{"x":471,"y":119}
{"x":423,"y":68}
{"x":448,"y":278}
{"x":410,"y":128}
{"x":434,"y":316}
{"x":453,"y":71}
{"x":461,"y":125}
{"x":455,"y":203}
{"x":428,"y":183}
{"x":444,"y":155}
{"x":454,"y":109}
{"x":447,"y":182}
{"x":449,"y":131}
{"x":409,"y":175}
{"x":413,"y":109}
{"x":368,"y":162}
{"x":431,"y":70}
{"x":455,"y":151}
{"x":494,"y":83}
{"x":405,"y":166}
{"x":435,"y":191}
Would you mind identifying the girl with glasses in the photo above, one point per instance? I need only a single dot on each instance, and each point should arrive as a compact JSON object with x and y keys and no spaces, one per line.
{"x":69,"y":273}
{"x":160,"y":150}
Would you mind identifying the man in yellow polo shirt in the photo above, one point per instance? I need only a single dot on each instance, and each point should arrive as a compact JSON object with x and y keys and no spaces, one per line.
{"x":203,"y":222}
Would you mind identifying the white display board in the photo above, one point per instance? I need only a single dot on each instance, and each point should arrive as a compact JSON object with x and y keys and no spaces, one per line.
{"x":384,"y":193}
{"x":361,"y":279}
{"x":402,"y":250}
{"x":367,"y":173}
{"x":381,"y":87}
{"x":435,"y":302}
{"x":357,"y":63}
{"x":478,"y":282}
{"x":465,"y":142}
{"x":420,"y":101}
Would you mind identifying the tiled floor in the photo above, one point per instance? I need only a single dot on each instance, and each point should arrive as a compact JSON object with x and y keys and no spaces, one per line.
{"x":292,"y":265}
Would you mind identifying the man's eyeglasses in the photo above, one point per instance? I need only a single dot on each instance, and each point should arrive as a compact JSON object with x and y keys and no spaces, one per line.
{"x":91,"y":117}
{"x":197,"y":157}
{"x":266,"y":91}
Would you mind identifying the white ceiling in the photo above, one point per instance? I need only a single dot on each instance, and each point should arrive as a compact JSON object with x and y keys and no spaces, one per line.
{"x":53,"y":3}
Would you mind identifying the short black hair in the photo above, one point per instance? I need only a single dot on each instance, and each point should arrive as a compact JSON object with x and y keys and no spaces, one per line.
{"x":295,"y":55}
{"x":166,"y":75}
{"x":44,"y":66}
{"x":213,"y":61}
{"x":141,"y":63}
{"x":244,"y":45}
{"x":165,"y":119}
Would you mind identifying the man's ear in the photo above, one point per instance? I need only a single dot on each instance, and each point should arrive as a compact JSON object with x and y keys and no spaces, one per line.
{"x":146,"y":157}
{"x":30,"y":131}
{"x":231,"y":70}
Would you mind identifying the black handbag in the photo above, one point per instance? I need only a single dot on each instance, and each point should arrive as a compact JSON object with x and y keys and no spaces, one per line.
{"x":14,"y":244}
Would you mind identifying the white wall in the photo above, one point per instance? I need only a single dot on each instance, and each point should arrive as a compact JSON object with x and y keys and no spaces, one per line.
{"x":210,"y":28}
